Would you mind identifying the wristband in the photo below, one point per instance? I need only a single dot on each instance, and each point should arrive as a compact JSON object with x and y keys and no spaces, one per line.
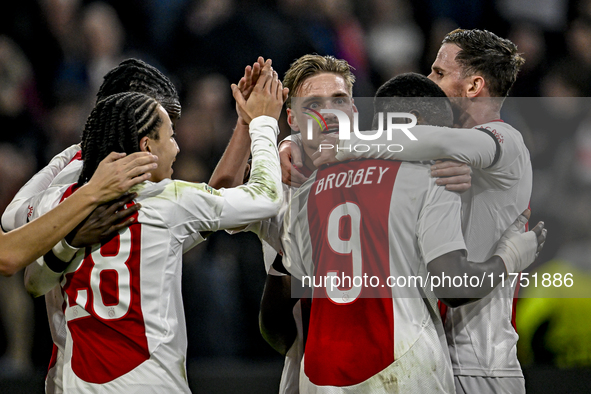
{"x":64,"y":251}
{"x":54,"y":263}
{"x":518,"y":251}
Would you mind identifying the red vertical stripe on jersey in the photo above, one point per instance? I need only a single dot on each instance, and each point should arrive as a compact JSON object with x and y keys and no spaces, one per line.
{"x":442,"y":311}
{"x":513,"y":312}
{"x":53,"y":359}
{"x":77,"y":156}
{"x":349,"y":343}
{"x":306,"y":305}
{"x":69,"y":191}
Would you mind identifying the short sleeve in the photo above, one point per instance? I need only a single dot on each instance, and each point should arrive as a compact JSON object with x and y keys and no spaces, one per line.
{"x":439,"y":229}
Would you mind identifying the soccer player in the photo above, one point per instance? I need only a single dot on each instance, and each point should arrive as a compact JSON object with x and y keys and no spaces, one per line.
{"x":474,"y":64}
{"x":42,"y":277}
{"x":308,"y":73}
{"x":64,"y":169}
{"x":476,"y":69}
{"x":311,"y":76}
{"x":115,"y":175}
{"x":351,"y":218}
{"x":322,"y":75}
{"x":124,"y":297}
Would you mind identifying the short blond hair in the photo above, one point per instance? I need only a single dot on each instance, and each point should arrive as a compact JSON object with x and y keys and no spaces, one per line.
{"x":310,"y":65}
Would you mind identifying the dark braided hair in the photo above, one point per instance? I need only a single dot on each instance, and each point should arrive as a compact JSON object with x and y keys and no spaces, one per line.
{"x":134,"y":75}
{"x":117,"y":124}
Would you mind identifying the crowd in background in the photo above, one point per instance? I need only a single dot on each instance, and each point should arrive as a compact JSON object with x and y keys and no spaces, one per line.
{"x":54,"y":53}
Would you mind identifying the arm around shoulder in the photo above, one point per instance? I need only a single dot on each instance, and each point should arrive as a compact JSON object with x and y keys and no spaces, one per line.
{"x":470,"y":146}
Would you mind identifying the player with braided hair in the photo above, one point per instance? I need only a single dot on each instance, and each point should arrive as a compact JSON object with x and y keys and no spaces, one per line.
{"x":64,"y":169}
{"x":131,"y":72}
{"x":102,"y":134}
{"x":41,"y":278}
{"x":123,"y":297}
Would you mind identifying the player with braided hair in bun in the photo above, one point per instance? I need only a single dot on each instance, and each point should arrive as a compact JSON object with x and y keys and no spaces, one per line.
{"x":65,"y":169}
{"x":125,"y":326}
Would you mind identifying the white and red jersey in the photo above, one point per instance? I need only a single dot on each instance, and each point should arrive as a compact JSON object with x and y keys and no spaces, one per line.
{"x":42,"y":193}
{"x":482,"y":339}
{"x":122,"y":300}
{"x":123,"y":305}
{"x":378,"y":219}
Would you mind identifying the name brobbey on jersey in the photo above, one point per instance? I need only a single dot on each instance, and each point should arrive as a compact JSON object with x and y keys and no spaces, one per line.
{"x":363,"y":176}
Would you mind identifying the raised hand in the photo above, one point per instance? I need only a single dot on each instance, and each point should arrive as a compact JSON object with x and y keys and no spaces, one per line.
{"x":266,"y":98}
{"x":248,"y":81}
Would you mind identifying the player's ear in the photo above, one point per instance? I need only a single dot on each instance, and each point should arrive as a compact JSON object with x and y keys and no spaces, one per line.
{"x":145,"y":144}
{"x":476,"y":86}
{"x":354,"y":106}
{"x":291,"y":120}
{"x":417,"y":114}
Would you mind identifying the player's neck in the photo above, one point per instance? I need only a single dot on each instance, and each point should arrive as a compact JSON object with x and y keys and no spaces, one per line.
{"x":479,"y":113}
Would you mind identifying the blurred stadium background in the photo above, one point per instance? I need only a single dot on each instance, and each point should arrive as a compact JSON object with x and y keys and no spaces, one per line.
{"x":54,"y":53}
